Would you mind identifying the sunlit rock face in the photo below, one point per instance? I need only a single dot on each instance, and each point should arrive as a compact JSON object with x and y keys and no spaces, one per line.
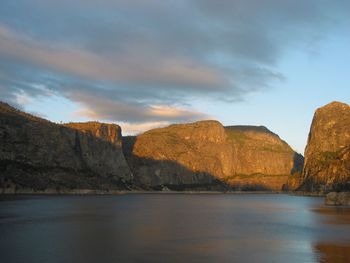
{"x":327,"y":155}
{"x":111,"y":133}
{"x":37,"y":154}
{"x":183,"y":156}
{"x":207,"y":155}
{"x":260,"y":159}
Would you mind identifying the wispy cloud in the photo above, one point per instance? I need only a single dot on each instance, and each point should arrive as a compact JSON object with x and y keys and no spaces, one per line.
{"x":107,"y":109}
{"x":120,"y":68}
{"x":137,"y":128}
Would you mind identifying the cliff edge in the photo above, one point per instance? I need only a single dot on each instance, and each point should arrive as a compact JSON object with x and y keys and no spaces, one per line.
{"x":327,"y":154}
{"x":36,"y":154}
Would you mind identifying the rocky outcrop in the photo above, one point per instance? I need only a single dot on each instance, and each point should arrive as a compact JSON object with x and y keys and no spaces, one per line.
{"x":327,"y":155}
{"x":260,"y":159}
{"x":342,"y":198}
{"x":183,"y":156}
{"x":111,"y":133}
{"x":205,"y":154}
{"x":37,"y":154}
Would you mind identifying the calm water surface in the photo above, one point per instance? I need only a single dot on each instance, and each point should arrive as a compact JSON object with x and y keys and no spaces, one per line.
{"x":172,"y":228}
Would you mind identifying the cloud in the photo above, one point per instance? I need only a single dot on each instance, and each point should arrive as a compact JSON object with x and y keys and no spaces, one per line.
{"x":135,"y":129}
{"x":145,"y":61}
{"x":112,"y":110}
{"x":122,"y":68}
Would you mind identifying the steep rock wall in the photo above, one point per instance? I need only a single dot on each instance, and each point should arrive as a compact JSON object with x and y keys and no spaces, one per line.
{"x":204,"y":153}
{"x":185,"y":156}
{"x":260,"y":159}
{"x":38,"y":154}
{"x":327,"y":154}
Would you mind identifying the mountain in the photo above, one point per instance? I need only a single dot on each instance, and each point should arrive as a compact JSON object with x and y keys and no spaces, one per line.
{"x":205,"y":155}
{"x":327,"y":154}
{"x":180,"y":157}
{"x":260,"y":159}
{"x":38,"y":155}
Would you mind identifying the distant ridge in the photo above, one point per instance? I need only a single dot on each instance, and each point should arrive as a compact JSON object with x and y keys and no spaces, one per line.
{"x":250,"y":128}
{"x":14,"y":112}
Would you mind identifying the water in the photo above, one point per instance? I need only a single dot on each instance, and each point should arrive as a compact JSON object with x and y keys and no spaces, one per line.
{"x":172,"y":228}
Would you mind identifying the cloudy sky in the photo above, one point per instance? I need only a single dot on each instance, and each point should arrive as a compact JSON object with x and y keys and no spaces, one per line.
{"x":148,"y":63}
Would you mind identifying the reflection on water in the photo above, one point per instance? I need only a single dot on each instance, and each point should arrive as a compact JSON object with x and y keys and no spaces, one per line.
{"x":172,"y":228}
{"x":334,"y":214}
{"x":337,"y":249}
{"x":333,"y":253}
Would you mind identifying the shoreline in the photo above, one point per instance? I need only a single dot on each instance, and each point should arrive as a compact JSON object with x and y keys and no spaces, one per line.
{"x":82,"y":192}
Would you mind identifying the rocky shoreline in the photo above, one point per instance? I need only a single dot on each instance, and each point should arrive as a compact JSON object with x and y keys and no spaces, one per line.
{"x":338,"y":199}
{"x":120,"y":192}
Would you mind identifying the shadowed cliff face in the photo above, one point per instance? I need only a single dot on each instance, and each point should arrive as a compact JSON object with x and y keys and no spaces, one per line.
{"x":244,"y":157}
{"x":327,"y":155}
{"x":38,"y":154}
{"x":184,"y":155}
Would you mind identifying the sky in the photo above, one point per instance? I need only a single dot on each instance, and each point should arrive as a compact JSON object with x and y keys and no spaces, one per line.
{"x":146,"y":64}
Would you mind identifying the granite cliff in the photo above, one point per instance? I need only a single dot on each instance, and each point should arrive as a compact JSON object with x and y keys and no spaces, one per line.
{"x":180,"y":157}
{"x":260,"y":159}
{"x":327,"y":154}
{"x":37,"y":155}
{"x":205,"y":155}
